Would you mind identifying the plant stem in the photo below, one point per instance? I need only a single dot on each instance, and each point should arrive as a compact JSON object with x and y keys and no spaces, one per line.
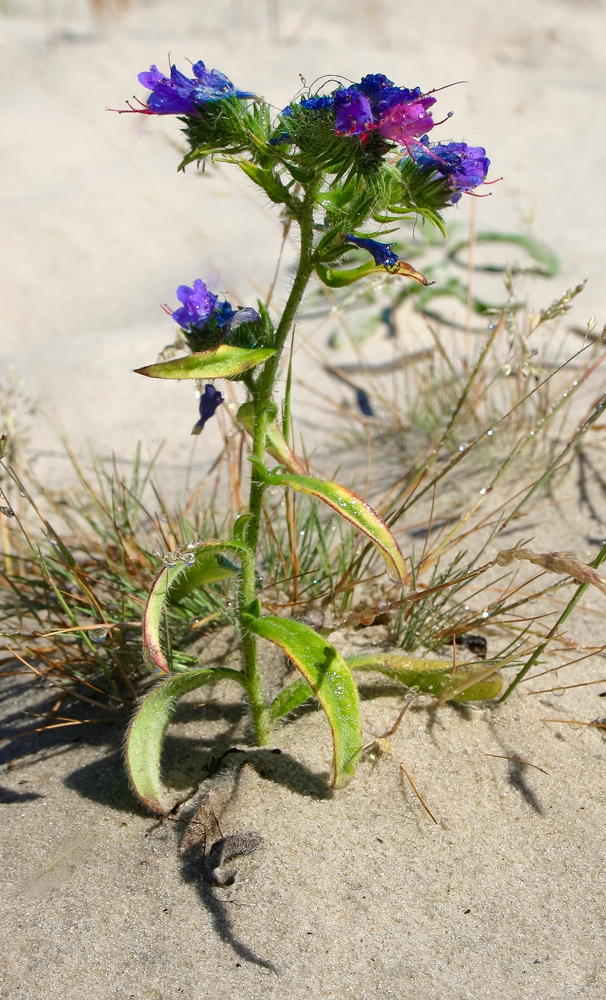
{"x":262,"y":397}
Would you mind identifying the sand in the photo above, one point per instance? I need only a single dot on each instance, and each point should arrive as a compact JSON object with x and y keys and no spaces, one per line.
{"x":356,"y":894}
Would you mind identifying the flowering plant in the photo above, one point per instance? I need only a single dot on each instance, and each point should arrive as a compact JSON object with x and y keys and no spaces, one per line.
{"x":342,"y":166}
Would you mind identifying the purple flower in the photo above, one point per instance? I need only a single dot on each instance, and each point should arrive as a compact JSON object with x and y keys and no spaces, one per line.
{"x":407,"y":120}
{"x":465,"y":167}
{"x":353,"y":111}
{"x":210,"y":399}
{"x":180,"y":95}
{"x":200,"y":305}
{"x":382,"y":253}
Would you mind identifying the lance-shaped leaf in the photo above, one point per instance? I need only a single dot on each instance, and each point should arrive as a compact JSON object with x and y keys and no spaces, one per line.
{"x":148,"y":727}
{"x":153,"y":654}
{"x":222,"y":362}
{"x":276,"y":444}
{"x":468,"y":682}
{"x":353,"y":509}
{"x":329,"y":678}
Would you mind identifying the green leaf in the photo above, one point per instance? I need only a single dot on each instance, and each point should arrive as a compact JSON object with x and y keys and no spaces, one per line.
{"x":329,"y":678}
{"x":353,"y":509}
{"x":269,"y":181}
{"x":222,"y":362}
{"x":153,"y":653}
{"x":148,"y":727}
{"x":207,"y":567}
{"x":434,"y":676}
{"x":288,"y":699}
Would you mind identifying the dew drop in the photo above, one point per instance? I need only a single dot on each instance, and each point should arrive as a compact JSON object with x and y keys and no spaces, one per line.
{"x":489,"y":433}
{"x":98,"y":634}
{"x":9,"y":512}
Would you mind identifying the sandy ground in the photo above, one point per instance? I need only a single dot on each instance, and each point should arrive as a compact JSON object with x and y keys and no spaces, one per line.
{"x":98,"y":228}
{"x":358,"y":894}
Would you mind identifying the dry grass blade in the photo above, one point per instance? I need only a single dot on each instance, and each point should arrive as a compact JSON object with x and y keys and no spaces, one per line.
{"x":418,"y":795}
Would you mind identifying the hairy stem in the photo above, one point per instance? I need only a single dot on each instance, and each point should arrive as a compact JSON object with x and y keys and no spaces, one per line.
{"x":262,"y":397}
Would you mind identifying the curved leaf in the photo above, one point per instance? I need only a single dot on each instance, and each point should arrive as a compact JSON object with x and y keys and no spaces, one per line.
{"x":329,"y":678}
{"x":548,"y":264}
{"x":353,"y":509}
{"x":470,"y":681}
{"x":149,"y":724}
{"x":153,"y":653}
{"x":222,"y":362}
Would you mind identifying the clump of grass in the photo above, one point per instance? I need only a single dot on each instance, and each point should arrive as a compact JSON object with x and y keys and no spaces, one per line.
{"x":76,"y":574}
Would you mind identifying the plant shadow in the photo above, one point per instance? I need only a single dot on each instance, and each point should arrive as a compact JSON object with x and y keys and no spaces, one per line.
{"x":201,"y":861}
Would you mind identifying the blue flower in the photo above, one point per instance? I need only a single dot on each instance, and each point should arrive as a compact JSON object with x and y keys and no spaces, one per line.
{"x":464,"y":167}
{"x":384,"y":96}
{"x":316,"y":103}
{"x":200,"y":306}
{"x":382,"y":253}
{"x":180,"y":95}
{"x":210,"y":399}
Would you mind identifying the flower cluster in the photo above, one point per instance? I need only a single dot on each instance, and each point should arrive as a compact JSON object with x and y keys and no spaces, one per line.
{"x":180,"y":95}
{"x":376,"y":105}
{"x":463,"y":167}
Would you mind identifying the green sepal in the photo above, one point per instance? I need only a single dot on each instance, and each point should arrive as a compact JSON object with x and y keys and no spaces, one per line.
{"x":433,"y":676}
{"x":148,"y":727}
{"x":222,"y":362}
{"x":341,"y":278}
{"x":153,"y":654}
{"x":331,"y":681}
{"x":351,"y":507}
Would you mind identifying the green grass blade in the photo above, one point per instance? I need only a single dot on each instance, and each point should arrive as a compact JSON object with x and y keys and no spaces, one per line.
{"x":330,"y":679}
{"x":148,"y":727}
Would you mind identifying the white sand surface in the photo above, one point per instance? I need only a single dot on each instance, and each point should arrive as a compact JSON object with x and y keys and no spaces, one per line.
{"x":99,"y":229}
